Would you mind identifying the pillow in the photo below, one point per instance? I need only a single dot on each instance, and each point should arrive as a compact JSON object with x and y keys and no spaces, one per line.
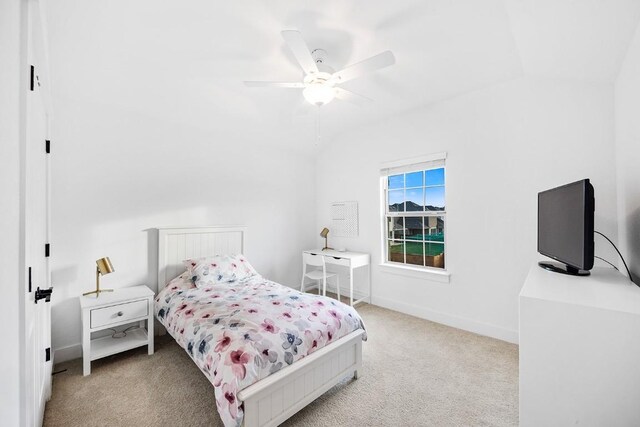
{"x":217,"y":269}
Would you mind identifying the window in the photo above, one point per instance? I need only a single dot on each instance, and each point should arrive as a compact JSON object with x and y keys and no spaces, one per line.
{"x":413,"y":193}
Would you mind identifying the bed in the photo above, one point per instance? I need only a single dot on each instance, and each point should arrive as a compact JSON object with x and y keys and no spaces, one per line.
{"x":268,"y":349}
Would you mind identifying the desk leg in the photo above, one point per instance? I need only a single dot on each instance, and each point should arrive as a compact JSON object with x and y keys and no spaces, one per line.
{"x":351,"y":286}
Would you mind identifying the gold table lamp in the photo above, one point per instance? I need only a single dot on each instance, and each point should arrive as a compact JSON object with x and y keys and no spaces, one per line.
{"x":324,"y":233}
{"x":103,"y":266}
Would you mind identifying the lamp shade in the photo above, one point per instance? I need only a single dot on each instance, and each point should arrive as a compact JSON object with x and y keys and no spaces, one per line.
{"x":105,"y":266}
{"x":324,"y":232}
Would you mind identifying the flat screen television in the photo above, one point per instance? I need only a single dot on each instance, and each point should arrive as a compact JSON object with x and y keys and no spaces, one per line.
{"x":565,"y":227}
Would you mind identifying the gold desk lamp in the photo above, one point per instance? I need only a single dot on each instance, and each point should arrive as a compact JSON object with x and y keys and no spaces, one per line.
{"x":324,"y":233}
{"x":103,"y":266}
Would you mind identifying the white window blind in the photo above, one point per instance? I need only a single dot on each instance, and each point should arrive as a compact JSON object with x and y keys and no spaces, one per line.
{"x":409,"y":165}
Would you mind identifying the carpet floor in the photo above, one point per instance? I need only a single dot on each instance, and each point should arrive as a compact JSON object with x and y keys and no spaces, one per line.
{"x":416,"y":373}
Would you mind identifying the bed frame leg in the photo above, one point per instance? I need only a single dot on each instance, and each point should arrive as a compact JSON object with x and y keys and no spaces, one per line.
{"x":356,"y":372}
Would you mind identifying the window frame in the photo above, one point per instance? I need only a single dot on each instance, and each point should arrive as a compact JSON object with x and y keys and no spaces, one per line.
{"x":424,"y":163}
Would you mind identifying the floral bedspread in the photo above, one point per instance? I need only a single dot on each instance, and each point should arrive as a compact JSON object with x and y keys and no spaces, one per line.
{"x":240,"y":333}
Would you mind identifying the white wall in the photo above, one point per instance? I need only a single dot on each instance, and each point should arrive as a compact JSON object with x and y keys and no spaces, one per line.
{"x":10,"y":210}
{"x":150,"y":129}
{"x":505,"y":144}
{"x":117,"y":174}
{"x":627,"y":108}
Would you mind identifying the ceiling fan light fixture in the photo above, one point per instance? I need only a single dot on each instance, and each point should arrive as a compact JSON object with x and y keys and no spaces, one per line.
{"x":320,"y":82}
{"x":319,"y":93}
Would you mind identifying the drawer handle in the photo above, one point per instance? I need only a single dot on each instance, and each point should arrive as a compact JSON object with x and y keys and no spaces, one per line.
{"x":120,"y":313}
{"x":336,"y":257}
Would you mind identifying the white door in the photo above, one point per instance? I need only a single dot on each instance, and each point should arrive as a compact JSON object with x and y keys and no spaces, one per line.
{"x":37,"y":353}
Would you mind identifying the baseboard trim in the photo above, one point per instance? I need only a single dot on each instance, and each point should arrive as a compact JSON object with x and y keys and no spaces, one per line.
{"x":466,"y":324}
{"x":74,"y":351}
{"x":64,"y":354}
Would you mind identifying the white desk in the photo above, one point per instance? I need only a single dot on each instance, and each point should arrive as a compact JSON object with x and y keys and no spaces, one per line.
{"x":351,"y":260}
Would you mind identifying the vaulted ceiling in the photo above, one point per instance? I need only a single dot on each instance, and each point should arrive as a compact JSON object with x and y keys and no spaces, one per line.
{"x":184,"y":61}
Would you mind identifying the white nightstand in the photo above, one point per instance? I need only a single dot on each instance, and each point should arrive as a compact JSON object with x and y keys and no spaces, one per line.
{"x":112,"y":309}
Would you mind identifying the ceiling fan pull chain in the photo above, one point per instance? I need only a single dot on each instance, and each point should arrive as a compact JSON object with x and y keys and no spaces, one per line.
{"x":318,"y":125}
{"x":320,"y":83}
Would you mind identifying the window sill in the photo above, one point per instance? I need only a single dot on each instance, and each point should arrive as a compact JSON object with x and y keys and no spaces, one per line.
{"x":420,"y":273}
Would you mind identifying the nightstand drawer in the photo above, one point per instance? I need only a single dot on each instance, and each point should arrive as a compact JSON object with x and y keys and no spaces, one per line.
{"x":118,"y":313}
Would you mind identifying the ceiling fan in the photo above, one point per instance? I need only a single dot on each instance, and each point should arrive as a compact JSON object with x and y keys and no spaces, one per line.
{"x":321,"y":83}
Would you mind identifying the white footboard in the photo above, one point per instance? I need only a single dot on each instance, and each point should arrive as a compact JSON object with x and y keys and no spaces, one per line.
{"x":272,"y":400}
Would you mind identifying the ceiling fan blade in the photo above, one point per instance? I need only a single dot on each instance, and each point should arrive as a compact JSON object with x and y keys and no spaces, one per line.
{"x":381,"y":60}
{"x":295,"y":85}
{"x":354,"y":98}
{"x":300,"y":50}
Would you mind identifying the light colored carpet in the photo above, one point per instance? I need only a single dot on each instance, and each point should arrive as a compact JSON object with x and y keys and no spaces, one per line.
{"x":416,"y":373}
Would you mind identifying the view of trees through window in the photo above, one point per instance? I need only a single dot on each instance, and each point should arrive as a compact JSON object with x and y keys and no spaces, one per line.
{"x":415,"y":218}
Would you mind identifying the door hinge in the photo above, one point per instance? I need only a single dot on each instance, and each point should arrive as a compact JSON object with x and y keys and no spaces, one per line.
{"x":47,"y":146}
{"x":32,"y":78}
{"x":47,"y":354}
{"x":47,"y":250}
{"x":29,"y":279}
{"x":44,"y":294}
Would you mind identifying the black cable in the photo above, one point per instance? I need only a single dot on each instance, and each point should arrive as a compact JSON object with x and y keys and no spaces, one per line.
{"x":621,"y":257}
{"x":120,"y":334}
{"x":602,"y":259}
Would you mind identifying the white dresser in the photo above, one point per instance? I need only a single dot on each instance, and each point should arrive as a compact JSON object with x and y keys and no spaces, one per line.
{"x":113,"y":309}
{"x":579,"y":349}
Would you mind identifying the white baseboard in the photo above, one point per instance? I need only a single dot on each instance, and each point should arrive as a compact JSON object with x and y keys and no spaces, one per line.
{"x":74,"y":351}
{"x":466,"y":324}
{"x":69,"y":352}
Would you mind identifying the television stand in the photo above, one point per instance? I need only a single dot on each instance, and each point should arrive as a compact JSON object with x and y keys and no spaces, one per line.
{"x":579,"y":349}
{"x":563,"y":268}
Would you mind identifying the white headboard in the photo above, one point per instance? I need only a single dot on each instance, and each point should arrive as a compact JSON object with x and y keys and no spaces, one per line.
{"x":178,"y":244}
